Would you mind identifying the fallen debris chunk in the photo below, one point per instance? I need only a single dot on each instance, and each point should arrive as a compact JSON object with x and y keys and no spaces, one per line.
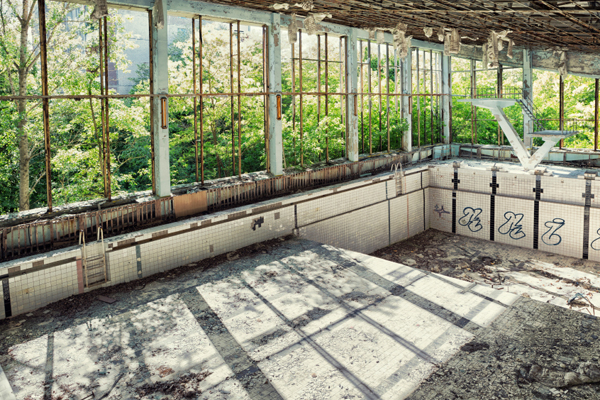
{"x":474,"y":346}
{"x":585,"y":373}
{"x":106,"y":299}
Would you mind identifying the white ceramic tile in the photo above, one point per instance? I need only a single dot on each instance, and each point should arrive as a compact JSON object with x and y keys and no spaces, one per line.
{"x":516,"y":185}
{"x":514,"y":221}
{"x":563,"y":190}
{"x":594,"y":243}
{"x":340,"y":203}
{"x":363,"y":230}
{"x":474,"y":180}
{"x":561,"y":229}
{"x":473,"y":215}
{"x":440,"y":209}
{"x":416,"y":213}
{"x":441,"y":177}
{"x":398,"y":218}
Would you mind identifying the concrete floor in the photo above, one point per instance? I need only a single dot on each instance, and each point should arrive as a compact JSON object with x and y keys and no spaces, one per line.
{"x":292,"y":320}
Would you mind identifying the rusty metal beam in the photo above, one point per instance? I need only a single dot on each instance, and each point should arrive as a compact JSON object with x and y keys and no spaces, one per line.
{"x":301,"y":88}
{"x":239,"y":103}
{"x":231,"y":98}
{"x":200,"y":57}
{"x":45,"y":105}
{"x":596,"y":115}
{"x":107,"y":114}
{"x":195,"y":95}
{"x":561,"y":107}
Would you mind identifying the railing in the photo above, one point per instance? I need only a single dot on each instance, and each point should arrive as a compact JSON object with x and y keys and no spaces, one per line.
{"x":569,"y":124}
{"x":46,"y":235}
{"x":529,"y":109}
{"x":494,"y":93}
{"x":41,"y":236}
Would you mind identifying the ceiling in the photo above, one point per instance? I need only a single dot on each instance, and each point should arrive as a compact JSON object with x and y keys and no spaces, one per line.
{"x":572,"y":25}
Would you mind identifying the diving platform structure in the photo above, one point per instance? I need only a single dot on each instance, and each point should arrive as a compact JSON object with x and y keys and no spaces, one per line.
{"x":551,"y":137}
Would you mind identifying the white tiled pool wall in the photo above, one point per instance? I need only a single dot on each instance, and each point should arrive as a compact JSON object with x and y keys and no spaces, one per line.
{"x":542,"y":212}
{"x":363,"y":215}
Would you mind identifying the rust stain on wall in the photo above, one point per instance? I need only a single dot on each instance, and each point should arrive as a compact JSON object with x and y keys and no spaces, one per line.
{"x":190,"y":204}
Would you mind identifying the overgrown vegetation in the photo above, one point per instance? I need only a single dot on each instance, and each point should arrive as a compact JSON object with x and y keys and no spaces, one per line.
{"x":75,"y":126}
{"x":579,"y":104}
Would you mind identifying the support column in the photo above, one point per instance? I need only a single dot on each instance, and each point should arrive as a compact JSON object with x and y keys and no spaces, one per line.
{"x":527,"y":96}
{"x":275,"y":100}
{"x":561,"y":107}
{"x":352,"y":97}
{"x":406,"y":67}
{"x":473,"y":108}
{"x":160,"y":69}
{"x":596,"y":116}
{"x":446,"y":99}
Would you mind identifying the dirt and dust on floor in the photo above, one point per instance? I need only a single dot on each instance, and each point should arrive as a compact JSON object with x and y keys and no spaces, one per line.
{"x":156,"y":338}
{"x":82,"y":325}
{"x":563,"y":281}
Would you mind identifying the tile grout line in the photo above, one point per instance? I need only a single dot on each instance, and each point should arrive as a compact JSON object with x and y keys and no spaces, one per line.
{"x":494,"y":185}
{"x":6,"y":294}
{"x":536,"y":210}
{"x":455,"y":182}
{"x":586,"y":217}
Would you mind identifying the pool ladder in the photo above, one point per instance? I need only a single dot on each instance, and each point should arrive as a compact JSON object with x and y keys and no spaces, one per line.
{"x":94,"y":259}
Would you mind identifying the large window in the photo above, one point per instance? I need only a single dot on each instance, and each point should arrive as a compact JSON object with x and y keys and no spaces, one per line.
{"x":476,"y":125}
{"x":314,"y":98}
{"x":566,"y":104}
{"x":426,"y":105}
{"x":98,"y":146}
{"x":380,"y":123}
{"x":217,"y":107}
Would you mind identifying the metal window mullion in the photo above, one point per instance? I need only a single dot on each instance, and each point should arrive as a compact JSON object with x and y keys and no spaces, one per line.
{"x":200,"y":57}
{"x":239,"y":105}
{"x":45,"y":101}
{"x":596,"y":115}
{"x":231,"y":98}
{"x":431,"y":95}
{"x":387,"y":77}
{"x":301,"y":89}
{"x":396,"y":85}
{"x":294,"y":100}
{"x":362,"y":97}
{"x":418,"y":101}
{"x":326,"y":98}
{"x":379,"y":87}
{"x":102,"y":111}
{"x":370,"y":97}
{"x":341,"y":81}
{"x":107,"y":114}
{"x":195,"y":95}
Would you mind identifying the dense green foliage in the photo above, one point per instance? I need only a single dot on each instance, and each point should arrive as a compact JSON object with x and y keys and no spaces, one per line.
{"x":579,"y":104}
{"x":77,"y":172}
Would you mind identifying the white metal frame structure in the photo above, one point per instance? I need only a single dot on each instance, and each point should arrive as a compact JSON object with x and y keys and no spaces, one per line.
{"x":529,"y":161}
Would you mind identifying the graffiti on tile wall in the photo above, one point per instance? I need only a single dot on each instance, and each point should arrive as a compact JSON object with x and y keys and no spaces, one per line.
{"x":440,"y":210}
{"x":595,"y":245}
{"x":550,"y":237}
{"x":470,"y":219}
{"x":512,"y":226}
